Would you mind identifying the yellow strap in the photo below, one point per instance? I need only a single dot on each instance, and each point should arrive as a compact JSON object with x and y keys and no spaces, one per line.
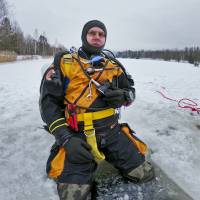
{"x":90,"y":136}
{"x":89,"y":130}
{"x":89,"y":117}
{"x":88,"y":123}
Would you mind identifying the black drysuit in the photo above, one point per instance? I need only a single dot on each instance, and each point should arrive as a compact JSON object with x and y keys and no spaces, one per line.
{"x":118,"y":149}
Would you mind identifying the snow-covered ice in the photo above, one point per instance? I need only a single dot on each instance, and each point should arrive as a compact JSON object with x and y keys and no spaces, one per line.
{"x":172,"y":133}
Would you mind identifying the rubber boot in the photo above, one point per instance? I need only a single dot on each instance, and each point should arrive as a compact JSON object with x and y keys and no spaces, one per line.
{"x":67,"y":191}
{"x":141,"y":174}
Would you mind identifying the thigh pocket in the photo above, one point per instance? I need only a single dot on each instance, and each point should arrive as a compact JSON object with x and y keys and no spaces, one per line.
{"x":55,"y":162}
{"x":141,"y":146}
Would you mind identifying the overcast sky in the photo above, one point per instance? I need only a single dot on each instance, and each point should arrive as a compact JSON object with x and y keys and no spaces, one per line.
{"x":131,"y":24}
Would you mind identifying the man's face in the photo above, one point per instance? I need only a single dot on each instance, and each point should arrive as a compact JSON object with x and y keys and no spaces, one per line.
{"x":96,"y":37}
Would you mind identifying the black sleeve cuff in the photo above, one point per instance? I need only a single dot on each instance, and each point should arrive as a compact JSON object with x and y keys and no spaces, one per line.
{"x":62,"y":134}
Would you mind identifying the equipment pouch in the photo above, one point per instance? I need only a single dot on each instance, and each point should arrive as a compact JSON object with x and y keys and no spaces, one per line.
{"x":141,"y":146}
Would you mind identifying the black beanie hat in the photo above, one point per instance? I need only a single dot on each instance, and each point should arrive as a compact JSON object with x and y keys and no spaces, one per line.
{"x":85,"y":45}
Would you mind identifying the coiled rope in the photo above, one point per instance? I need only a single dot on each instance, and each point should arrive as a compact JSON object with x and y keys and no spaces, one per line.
{"x":184,"y":103}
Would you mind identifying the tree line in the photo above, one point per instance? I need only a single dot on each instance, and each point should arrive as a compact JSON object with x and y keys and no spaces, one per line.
{"x":189,"y":54}
{"x":13,"y":39}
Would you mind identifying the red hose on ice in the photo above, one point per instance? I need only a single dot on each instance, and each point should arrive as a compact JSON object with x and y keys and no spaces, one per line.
{"x":184,"y":103}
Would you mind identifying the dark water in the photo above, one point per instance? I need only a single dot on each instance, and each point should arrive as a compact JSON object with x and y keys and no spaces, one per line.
{"x":111,"y":185}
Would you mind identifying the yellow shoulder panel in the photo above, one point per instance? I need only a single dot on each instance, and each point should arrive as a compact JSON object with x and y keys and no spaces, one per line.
{"x":65,"y":64}
{"x":67,"y":58}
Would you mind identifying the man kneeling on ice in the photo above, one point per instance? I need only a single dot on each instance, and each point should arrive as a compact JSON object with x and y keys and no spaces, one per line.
{"x":80,"y":97}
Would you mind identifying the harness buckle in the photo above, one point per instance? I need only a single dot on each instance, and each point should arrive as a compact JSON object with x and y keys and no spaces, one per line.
{"x":89,"y":133}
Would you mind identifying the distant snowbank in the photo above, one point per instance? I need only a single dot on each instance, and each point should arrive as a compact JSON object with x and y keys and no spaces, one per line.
{"x":196,"y":64}
{"x":10,"y":57}
{"x":28,"y":57}
{"x":7,"y":56}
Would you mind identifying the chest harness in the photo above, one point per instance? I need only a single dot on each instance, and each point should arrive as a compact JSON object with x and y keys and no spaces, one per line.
{"x":85,"y":85}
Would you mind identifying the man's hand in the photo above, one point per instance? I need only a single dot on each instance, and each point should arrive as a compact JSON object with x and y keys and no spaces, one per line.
{"x":78,"y":151}
{"x":115,"y":97}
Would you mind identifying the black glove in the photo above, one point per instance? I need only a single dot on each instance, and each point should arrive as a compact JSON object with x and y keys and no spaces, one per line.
{"x":62,"y":134}
{"x":78,"y":151}
{"x":115,"y":97}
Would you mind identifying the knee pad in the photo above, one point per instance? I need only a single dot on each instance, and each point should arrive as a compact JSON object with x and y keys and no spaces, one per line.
{"x":143,"y":173}
{"x":74,"y":191}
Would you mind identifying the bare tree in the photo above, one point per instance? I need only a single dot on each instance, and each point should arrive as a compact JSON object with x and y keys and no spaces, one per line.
{"x":35,"y":36}
{"x":3,"y":9}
